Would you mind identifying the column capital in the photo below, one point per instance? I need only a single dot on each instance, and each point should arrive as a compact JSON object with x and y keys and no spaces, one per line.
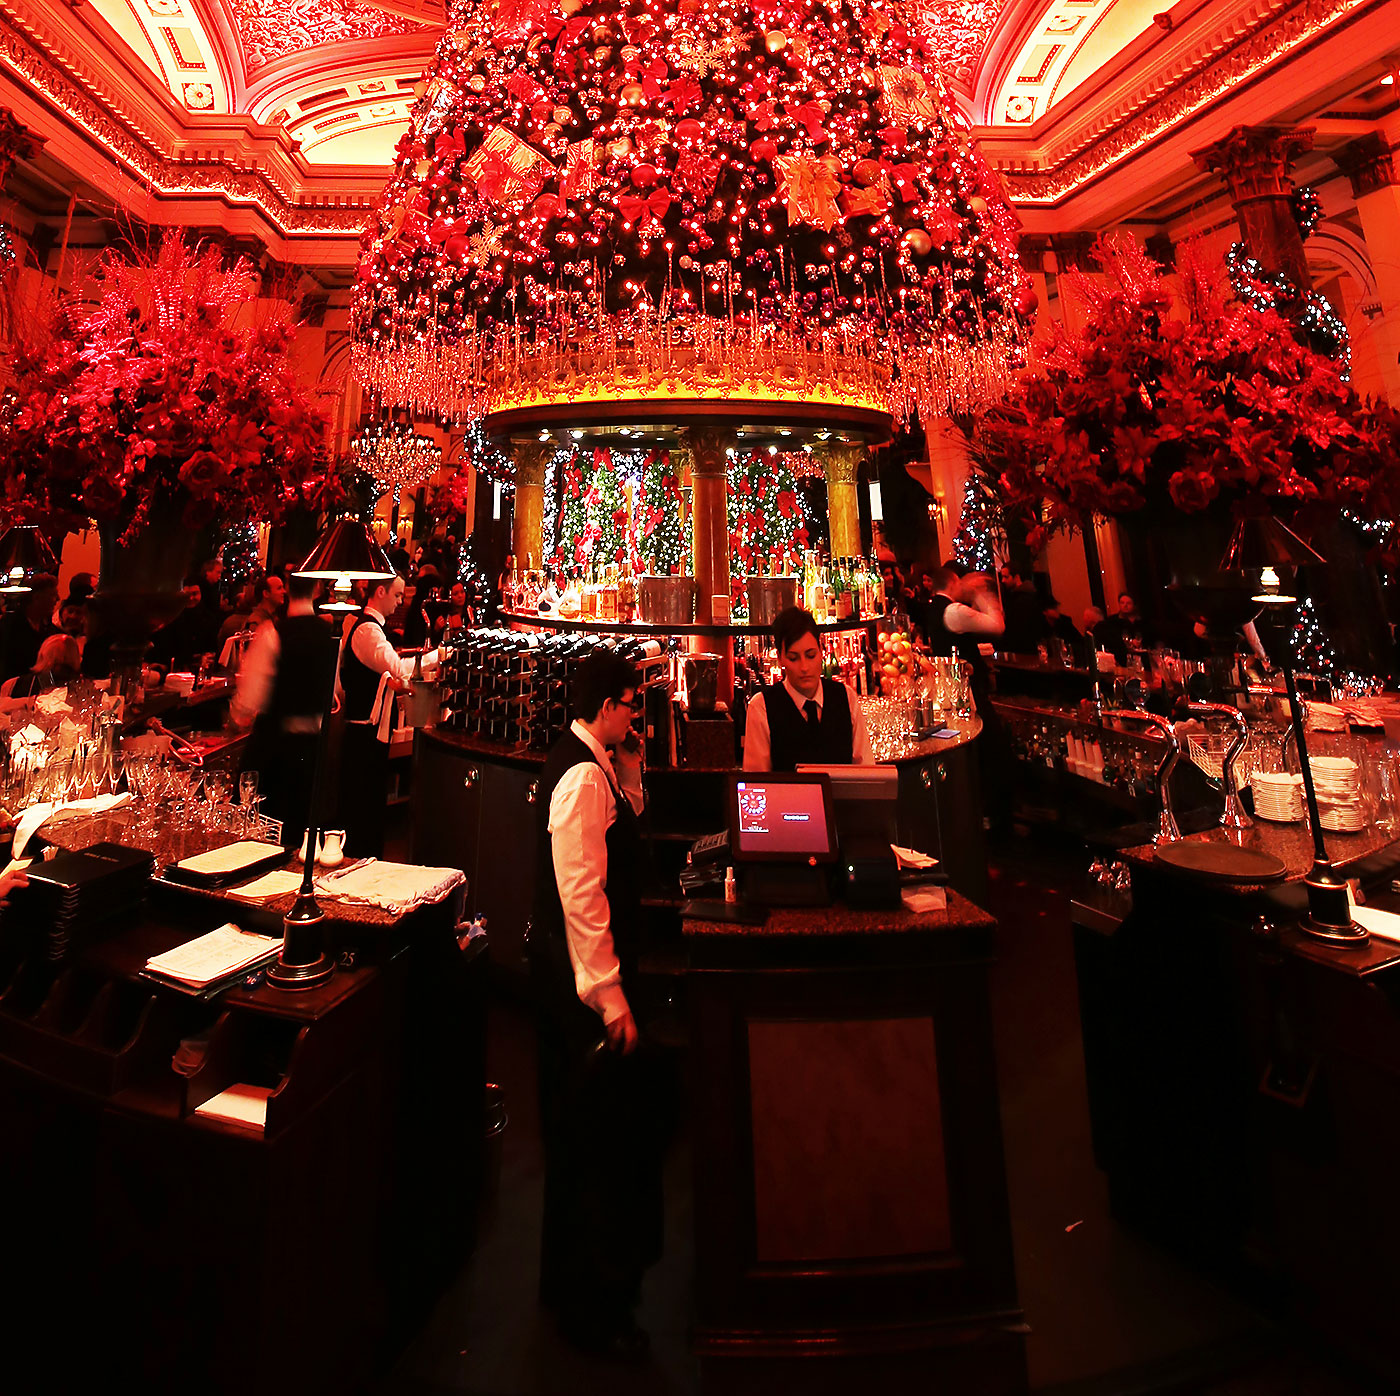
{"x":531,"y":460}
{"x":1368,"y":162}
{"x":841,"y":460}
{"x":708,"y":447}
{"x":17,"y":142}
{"x":1254,"y":161}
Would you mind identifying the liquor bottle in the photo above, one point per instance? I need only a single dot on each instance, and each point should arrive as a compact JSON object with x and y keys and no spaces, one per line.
{"x":843,"y":592}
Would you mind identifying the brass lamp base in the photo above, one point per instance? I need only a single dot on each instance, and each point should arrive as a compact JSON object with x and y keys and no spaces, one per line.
{"x":303,"y":963}
{"x":1329,"y":911}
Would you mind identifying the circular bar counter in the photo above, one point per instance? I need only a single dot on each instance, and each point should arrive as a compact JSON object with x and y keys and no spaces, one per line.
{"x":475,"y":808}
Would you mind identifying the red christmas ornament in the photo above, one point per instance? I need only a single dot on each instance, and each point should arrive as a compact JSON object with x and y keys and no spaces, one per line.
{"x":644,"y":176}
{"x":690,"y":129}
{"x":764,"y":150}
{"x":867,"y":171}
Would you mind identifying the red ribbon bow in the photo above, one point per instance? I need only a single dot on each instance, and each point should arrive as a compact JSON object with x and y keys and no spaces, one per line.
{"x":683,"y":94}
{"x":634,"y":208}
{"x":810,"y":115}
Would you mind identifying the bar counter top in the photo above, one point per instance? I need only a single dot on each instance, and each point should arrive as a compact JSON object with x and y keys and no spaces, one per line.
{"x":968,"y":730}
{"x":838,"y":920}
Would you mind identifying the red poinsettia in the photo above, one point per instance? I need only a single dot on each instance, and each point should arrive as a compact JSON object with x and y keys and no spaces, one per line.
{"x":154,"y":388}
{"x":1186,"y":396}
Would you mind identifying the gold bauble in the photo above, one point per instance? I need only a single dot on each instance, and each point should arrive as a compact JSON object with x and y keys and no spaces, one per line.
{"x":632,"y":93}
{"x":918,"y":241}
{"x":476,"y":82}
{"x":832,"y":163}
{"x":978,"y":204}
{"x":602,"y":53}
{"x":775,"y":41}
{"x":619,"y":149}
{"x":561,"y":116}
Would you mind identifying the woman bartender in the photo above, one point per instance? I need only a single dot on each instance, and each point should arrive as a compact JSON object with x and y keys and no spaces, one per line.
{"x":805,"y":720}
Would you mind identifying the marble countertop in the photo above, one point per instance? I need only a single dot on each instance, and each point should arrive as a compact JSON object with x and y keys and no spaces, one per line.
{"x":830,"y":922}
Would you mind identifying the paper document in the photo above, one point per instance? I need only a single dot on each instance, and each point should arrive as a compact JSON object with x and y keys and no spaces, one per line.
{"x":1380,"y":923}
{"x":217,"y":955}
{"x":239,"y":1105}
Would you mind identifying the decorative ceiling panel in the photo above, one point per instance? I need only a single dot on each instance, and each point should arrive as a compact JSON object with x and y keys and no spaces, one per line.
{"x":273,"y":29}
{"x":960,"y":30}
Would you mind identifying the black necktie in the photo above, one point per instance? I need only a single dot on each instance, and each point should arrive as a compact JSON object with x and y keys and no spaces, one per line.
{"x":814,"y":713}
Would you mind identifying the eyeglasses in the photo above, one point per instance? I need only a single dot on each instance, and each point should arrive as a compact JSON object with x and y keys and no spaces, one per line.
{"x":637,"y":703}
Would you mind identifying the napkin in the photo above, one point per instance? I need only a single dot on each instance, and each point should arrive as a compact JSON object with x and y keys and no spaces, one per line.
{"x":35,"y":815}
{"x":393,"y":887}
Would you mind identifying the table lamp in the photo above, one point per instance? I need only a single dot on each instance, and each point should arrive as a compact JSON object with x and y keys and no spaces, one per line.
{"x":24,"y":553}
{"x":1268,"y":552}
{"x":345,"y":553}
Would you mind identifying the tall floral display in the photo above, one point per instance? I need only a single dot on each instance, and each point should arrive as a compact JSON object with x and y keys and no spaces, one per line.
{"x":620,"y":507}
{"x":149,"y":397}
{"x":152,"y":403}
{"x":765,"y":515}
{"x":1180,"y":395}
{"x":682,"y":199}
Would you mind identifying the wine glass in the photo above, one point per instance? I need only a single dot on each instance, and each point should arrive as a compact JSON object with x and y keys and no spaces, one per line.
{"x":247,"y":787}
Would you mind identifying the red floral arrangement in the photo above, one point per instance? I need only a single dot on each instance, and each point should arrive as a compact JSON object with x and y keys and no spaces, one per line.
{"x":1180,"y":396}
{"x":151,"y":392}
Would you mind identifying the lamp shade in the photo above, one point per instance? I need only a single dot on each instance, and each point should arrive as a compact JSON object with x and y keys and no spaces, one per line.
{"x":345,"y":549}
{"x":1262,"y":541}
{"x":23,"y":546}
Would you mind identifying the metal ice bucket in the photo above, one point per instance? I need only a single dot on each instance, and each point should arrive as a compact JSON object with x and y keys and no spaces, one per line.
{"x":668,"y":600}
{"x":768,"y":596}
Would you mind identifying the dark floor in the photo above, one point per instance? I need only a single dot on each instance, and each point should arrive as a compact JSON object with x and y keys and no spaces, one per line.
{"x":1109,"y":1314}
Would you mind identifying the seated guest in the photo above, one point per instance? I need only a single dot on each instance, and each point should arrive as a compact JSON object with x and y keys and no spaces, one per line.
{"x":27,"y":627}
{"x":455,"y":615}
{"x":1022,"y":608}
{"x":806,"y":719}
{"x":56,"y":666}
{"x":1059,"y":626}
{"x":269,"y":596}
{"x":1123,"y":632}
{"x":177,"y":644}
{"x":72,"y":620}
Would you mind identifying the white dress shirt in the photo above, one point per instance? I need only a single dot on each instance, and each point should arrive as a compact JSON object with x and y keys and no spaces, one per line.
{"x":582,"y":809}
{"x":758,"y":743}
{"x":371,"y":646}
{"x":985,"y":618}
{"x":256,"y":675}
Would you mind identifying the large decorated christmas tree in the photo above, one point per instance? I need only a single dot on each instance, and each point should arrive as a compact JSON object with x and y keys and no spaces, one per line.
{"x":625,"y":198}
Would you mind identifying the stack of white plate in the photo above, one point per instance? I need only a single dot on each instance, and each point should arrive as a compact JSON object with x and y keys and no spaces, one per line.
{"x":1337,"y":781}
{"x":1277,"y":796}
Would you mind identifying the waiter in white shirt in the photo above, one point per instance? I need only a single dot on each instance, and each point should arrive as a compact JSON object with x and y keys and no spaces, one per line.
{"x":807,"y":719}
{"x":963,"y":613}
{"x":601,"y":1099}
{"x":369,"y":675}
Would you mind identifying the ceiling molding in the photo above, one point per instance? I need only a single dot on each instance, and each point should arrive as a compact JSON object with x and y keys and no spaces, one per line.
{"x":129,"y":120}
{"x":1087,"y":136}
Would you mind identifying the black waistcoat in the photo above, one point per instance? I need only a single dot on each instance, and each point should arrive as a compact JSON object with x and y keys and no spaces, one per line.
{"x":305,"y":659}
{"x":794,"y":741}
{"x":359,"y":681}
{"x":549,"y":951}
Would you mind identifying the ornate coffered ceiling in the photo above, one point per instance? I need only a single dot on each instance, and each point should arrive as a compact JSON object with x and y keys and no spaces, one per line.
{"x":284,"y":113}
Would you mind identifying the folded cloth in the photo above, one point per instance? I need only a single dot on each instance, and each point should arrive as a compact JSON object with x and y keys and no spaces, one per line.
{"x":35,"y":815}
{"x":912,"y":858}
{"x":392,"y":887}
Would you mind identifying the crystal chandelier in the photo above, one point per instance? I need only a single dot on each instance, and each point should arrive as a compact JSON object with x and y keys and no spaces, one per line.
{"x":395,"y":456}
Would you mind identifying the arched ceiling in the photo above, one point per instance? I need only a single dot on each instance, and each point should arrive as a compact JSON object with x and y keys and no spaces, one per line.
{"x":337,"y":75}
